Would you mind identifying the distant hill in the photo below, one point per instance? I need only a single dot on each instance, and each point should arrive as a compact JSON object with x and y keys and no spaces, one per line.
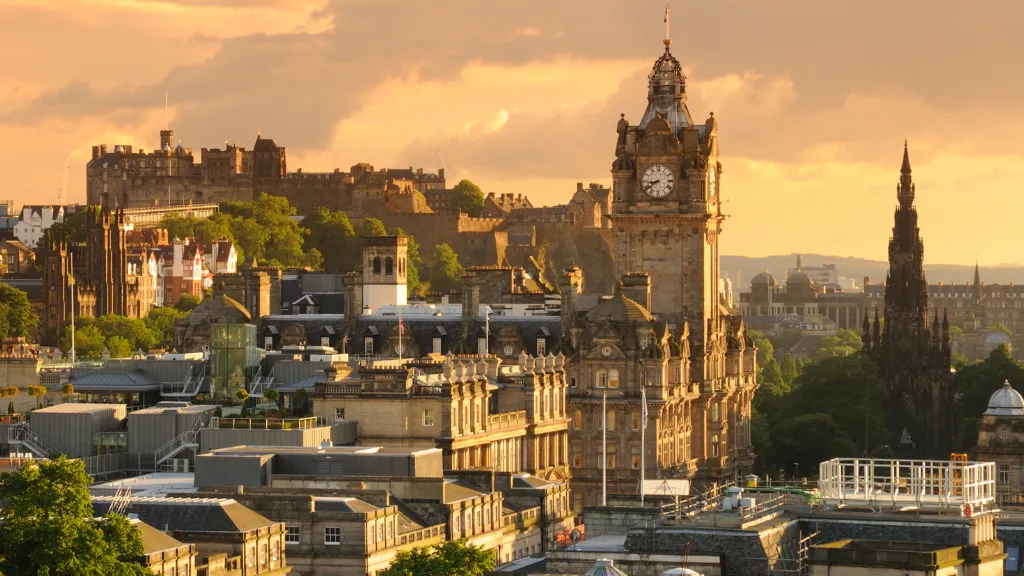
{"x":858,"y":268}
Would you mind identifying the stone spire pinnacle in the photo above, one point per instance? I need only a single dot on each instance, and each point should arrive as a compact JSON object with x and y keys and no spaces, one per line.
{"x":905,"y":189}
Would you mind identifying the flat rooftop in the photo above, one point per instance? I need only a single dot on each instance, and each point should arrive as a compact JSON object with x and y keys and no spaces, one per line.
{"x":360,"y":450}
{"x":148,"y":485}
{"x":74,"y":408}
{"x":877,"y":554}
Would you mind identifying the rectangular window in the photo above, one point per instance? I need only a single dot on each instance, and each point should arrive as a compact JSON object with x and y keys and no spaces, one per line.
{"x":714,"y":445}
{"x":636,"y":420}
{"x":611,"y":420}
{"x":714,"y":412}
{"x":577,"y":419}
{"x":371,"y":533}
{"x":390,"y":535}
{"x":428,"y":417}
{"x":339,"y":413}
{"x":613,"y":378}
{"x":332,"y":536}
{"x":368,"y":345}
{"x":541,"y":347}
{"x":481,"y":346}
{"x":437,"y":346}
{"x":325,"y":341}
{"x":1004,"y":473}
{"x":291,"y":535}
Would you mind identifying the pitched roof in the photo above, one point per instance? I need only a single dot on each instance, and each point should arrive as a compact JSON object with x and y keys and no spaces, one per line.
{"x":190,"y":514}
{"x":115,"y":380}
{"x":619,"y":308}
{"x":153,"y":540}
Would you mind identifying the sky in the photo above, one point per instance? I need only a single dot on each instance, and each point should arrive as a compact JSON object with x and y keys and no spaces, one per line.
{"x":813,"y":99}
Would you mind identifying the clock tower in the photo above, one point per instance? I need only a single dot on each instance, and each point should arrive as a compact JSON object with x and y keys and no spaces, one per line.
{"x":666,"y":213}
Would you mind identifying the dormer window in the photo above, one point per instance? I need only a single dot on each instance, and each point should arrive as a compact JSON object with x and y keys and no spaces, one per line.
{"x":541,"y":346}
{"x":368,"y":345}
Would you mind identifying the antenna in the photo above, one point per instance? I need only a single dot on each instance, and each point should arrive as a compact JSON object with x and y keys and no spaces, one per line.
{"x":165,"y":110}
{"x":441,"y":160}
{"x":64,"y":182}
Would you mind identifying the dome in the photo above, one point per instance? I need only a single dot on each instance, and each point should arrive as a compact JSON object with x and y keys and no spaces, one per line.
{"x":179,"y":150}
{"x":166,"y":148}
{"x":798,"y":279}
{"x":618,"y":308}
{"x":996,"y":338}
{"x":1005,"y":402}
{"x":765,"y":278}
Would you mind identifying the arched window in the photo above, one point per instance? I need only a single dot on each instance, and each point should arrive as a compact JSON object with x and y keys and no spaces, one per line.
{"x":376,"y":265}
{"x":601,"y":379}
{"x":613,"y":378}
{"x":577,"y":419}
{"x":389,"y":266}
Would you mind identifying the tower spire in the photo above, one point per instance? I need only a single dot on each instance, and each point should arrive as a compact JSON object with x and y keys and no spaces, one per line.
{"x":905,"y":190}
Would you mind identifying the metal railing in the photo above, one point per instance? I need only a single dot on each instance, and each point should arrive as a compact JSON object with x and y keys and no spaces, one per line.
{"x":903,"y":483}
{"x":268,"y":423}
{"x":189,"y":387}
{"x":177,"y":444}
{"x":763,"y":509}
{"x":24,"y":436}
{"x":261,"y":383}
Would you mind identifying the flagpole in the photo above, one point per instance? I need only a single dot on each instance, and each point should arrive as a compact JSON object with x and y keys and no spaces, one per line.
{"x":74,"y":294}
{"x":667,"y":36}
{"x":401,"y":339}
{"x":604,"y":449}
{"x":643,"y":431}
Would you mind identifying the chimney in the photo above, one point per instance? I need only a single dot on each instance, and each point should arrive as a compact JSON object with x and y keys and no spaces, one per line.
{"x":103,"y":149}
{"x":637,"y":286}
{"x":470,"y":303}
{"x":440,"y":173}
{"x":166,"y":139}
{"x":353,"y":291}
{"x":579,"y":186}
{"x":95,"y":152}
{"x":570,"y":286}
{"x":799,"y":262}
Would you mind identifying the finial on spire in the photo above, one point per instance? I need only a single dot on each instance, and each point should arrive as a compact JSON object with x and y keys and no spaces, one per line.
{"x":668,"y":38}
{"x":906,"y":159}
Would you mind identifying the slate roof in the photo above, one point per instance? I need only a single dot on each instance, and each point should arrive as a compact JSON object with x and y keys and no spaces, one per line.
{"x":529,"y":481}
{"x":154,"y":541}
{"x":103,"y":380}
{"x":343,"y":504}
{"x":619,"y":308}
{"x":222,"y":515}
{"x":458,"y":490}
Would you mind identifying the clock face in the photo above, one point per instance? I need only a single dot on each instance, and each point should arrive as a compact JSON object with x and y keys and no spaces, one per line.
{"x":658,"y":181}
{"x":606,"y":351}
{"x":509,"y":349}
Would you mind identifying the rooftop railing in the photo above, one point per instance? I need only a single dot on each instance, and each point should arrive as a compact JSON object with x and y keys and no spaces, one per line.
{"x":268,"y":423}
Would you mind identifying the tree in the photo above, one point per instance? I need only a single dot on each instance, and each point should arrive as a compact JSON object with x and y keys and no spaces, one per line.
{"x":844,"y":343}
{"x":789,"y":368}
{"x":468,"y":197}
{"x":445,"y":271}
{"x":67,"y":389}
{"x":120,"y":347}
{"x":273,"y":396}
{"x":89,"y":342}
{"x":161,"y":323}
{"x":18,"y":316}
{"x":372,"y":227}
{"x":413,"y":264}
{"x":214,"y":228}
{"x":187,"y":303}
{"x":242,"y":394}
{"x":975,"y":383}
{"x":134,"y":330}
{"x":47,"y":525}
{"x":809,"y":439}
{"x":36,"y":392}
{"x":452,"y":558}
{"x":178,"y":226}
{"x":266,"y":230}
{"x":332,"y":234}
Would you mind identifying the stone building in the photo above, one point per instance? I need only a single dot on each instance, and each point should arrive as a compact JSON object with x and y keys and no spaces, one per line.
{"x":482,"y":414}
{"x":1001,"y":440}
{"x":100,"y":282}
{"x":827,"y":306}
{"x":915,"y":360}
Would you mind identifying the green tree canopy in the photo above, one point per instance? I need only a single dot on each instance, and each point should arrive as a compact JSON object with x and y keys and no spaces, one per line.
{"x":18,"y":317}
{"x":178,"y":226}
{"x":266,"y":229}
{"x":445,"y":270}
{"x":161,"y":323}
{"x":453,"y":558}
{"x":807,"y":440}
{"x":372,"y":227}
{"x":47,"y":525}
{"x":468,"y":197}
{"x":789,"y":368}
{"x":332,"y":234}
{"x":844,"y":343}
{"x":975,"y":383}
{"x":187,"y":303}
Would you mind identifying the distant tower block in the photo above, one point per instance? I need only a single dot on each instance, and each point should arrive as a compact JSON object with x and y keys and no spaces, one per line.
{"x":384,"y":271}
